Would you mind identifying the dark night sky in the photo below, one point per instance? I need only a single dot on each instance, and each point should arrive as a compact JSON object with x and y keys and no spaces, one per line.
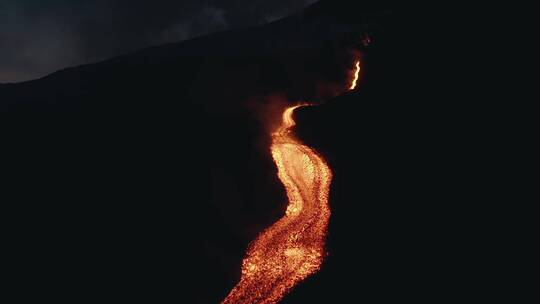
{"x":38,"y":37}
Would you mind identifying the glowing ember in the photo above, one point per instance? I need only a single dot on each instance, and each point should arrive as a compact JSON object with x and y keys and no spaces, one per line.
{"x":356,"y":75}
{"x":292,"y":248}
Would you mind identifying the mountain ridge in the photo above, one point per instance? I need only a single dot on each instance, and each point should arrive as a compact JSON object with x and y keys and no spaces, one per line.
{"x":283,"y":46}
{"x":199,"y":45}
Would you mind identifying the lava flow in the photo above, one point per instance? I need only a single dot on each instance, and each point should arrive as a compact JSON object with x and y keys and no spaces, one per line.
{"x":356,"y":75}
{"x":292,"y":248}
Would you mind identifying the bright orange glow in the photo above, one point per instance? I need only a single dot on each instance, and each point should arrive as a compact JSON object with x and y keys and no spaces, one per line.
{"x":288,"y":121}
{"x":356,"y":76}
{"x":292,"y":248}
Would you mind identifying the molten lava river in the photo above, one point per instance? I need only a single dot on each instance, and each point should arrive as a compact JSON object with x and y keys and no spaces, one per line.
{"x":292,"y":248}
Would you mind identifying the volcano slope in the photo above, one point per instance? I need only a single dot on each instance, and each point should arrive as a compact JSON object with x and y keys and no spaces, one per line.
{"x":155,"y":169}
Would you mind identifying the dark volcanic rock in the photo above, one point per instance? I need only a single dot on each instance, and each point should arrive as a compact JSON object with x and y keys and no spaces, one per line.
{"x":152,"y":169}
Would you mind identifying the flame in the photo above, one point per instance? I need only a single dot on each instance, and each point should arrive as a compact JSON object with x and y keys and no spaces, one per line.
{"x":292,"y":248}
{"x":356,"y":76}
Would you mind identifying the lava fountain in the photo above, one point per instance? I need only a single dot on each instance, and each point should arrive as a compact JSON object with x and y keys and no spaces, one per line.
{"x":292,"y":248}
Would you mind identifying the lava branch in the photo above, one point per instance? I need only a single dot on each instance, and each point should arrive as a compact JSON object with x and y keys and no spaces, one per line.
{"x":293,"y":248}
{"x":356,"y":76}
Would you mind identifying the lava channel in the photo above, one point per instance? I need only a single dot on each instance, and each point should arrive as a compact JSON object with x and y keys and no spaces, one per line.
{"x":293,"y":248}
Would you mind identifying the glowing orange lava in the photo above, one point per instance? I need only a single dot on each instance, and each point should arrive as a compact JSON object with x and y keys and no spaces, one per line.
{"x":356,"y":75}
{"x":293,"y":248}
